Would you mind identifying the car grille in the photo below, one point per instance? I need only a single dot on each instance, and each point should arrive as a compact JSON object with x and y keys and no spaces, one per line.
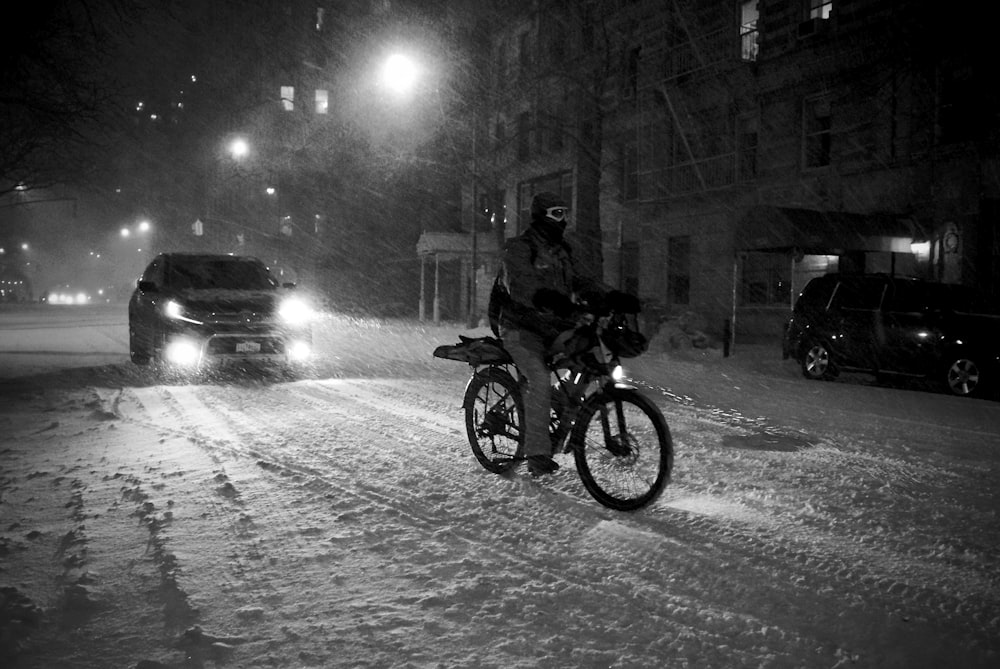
{"x":236,"y":345}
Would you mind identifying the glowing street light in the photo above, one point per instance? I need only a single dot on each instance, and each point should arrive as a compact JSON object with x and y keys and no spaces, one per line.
{"x":400,"y":73}
{"x":239,"y":148}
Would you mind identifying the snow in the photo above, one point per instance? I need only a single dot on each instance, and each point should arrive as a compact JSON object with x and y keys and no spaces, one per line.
{"x":249,"y":519}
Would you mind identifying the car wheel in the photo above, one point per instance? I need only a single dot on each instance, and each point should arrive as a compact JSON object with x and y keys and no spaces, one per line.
{"x":816,"y":362}
{"x":138,"y":349}
{"x":963,"y":377}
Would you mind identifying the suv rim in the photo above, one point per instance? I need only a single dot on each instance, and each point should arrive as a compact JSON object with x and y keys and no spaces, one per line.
{"x":963,"y":376}
{"x":817,"y":361}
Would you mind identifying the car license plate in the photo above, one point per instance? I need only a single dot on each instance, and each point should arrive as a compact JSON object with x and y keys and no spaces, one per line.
{"x":247,"y":347}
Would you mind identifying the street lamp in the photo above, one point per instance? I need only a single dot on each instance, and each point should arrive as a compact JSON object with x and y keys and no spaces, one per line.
{"x":239,"y":148}
{"x":400,"y":73}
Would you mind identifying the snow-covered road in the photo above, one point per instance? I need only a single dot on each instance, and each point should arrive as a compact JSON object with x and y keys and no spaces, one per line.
{"x":341,"y":520}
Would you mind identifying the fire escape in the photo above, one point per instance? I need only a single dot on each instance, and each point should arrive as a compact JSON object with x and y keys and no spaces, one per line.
{"x":685,"y":99}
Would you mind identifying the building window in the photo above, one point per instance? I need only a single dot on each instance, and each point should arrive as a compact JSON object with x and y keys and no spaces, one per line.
{"x":816,"y":132}
{"x":500,"y":134}
{"x":766,"y":279}
{"x":288,"y":98}
{"x":679,"y":270}
{"x":748,"y":30}
{"x":747,"y":138}
{"x":524,"y":51}
{"x":631,"y":83}
{"x":556,"y":47}
{"x":587,"y":29}
{"x":630,"y":172}
{"x":818,"y":9}
{"x":961,"y":114}
{"x":630,"y":267}
{"x":322,"y":101}
{"x":523,"y":136}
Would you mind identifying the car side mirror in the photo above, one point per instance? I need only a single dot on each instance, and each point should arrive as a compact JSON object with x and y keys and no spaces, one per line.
{"x":147,"y":286}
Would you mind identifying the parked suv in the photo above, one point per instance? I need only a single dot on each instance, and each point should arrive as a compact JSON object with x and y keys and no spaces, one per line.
{"x":190,"y":309}
{"x":890,"y":325}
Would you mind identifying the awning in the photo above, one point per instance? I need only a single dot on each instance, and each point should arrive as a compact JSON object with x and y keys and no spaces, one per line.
{"x":767,"y":228}
{"x":449,"y":245}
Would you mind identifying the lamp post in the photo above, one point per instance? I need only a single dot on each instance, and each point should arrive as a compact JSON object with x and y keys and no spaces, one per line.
{"x":400,"y":75}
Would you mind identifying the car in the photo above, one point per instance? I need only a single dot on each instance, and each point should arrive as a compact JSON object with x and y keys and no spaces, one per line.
{"x":890,"y":325}
{"x":189,"y":310}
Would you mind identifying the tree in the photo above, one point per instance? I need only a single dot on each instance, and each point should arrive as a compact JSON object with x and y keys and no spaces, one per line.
{"x":56,"y":94}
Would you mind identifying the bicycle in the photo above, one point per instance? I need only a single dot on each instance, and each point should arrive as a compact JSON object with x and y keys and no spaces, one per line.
{"x":620,"y":441}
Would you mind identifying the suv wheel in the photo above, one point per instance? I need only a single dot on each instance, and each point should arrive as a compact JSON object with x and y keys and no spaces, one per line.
{"x":816,"y":363}
{"x":963,"y":377}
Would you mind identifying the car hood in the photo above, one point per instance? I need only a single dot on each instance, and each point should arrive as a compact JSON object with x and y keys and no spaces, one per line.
{"x":229,"y":301}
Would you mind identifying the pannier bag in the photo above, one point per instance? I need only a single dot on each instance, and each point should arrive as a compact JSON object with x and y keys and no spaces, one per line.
{"x":475,"y":351}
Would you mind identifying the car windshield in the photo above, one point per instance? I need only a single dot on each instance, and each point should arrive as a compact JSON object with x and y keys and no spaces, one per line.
{"x":220,"y":274}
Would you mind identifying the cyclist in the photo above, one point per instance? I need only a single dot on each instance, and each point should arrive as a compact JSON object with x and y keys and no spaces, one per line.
{"x":542,"y":283}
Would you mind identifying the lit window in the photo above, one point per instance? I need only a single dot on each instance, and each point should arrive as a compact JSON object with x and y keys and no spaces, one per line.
{"x":322,"y":101}
{"x":748,"y":30}
{"x":819,"y":9}
{"x":288,"y":98}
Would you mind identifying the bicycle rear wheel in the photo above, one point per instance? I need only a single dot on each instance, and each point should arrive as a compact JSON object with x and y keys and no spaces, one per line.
{"x":494,"y":415}
{"x":622,"y":447}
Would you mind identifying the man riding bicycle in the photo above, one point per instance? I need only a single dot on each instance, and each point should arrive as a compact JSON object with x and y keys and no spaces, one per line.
{"x":542,"y":291}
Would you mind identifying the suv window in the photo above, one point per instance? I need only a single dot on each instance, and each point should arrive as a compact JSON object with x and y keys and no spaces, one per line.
{"x":154,"y":272}
{"x":913,"y":297}
{"x":221,"y":274}
{"x":862,"y":293}
{"x":816,"y":295}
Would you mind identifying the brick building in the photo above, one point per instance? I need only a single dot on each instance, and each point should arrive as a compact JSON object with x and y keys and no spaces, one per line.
{"x":734,"y":149}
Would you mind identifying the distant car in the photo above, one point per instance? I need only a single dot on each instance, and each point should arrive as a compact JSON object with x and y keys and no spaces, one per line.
{"x":189,"y":310}
{"x":884,"y":325}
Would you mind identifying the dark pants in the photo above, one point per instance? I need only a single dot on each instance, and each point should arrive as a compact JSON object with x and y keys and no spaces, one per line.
{"x":528,"y":351}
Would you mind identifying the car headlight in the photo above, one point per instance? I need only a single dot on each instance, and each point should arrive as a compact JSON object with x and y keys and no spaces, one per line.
{"x":183,"y":353}
{"x":295,"y":311}
{"x":173,"y":309}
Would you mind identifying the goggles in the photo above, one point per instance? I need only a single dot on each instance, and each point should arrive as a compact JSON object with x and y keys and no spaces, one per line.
{"x":556,"y":213}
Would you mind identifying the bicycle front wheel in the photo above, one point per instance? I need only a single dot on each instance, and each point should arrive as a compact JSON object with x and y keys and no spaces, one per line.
{"x":622,"y":447}
{"x":494,"y":414}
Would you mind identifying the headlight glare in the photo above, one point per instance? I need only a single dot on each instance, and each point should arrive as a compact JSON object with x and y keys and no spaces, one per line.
{"x":183,"y":353}
{"x":173,"y":309}
{"x":295,"y":311}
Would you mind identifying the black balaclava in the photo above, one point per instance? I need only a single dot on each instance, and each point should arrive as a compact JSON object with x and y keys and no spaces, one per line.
{"x":551,"y":229}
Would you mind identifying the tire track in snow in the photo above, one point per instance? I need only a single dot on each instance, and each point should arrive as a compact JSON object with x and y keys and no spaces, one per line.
{"x":573,"y":523}
{"x":366,"y":414}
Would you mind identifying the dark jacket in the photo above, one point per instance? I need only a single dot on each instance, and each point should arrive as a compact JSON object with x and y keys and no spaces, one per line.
{"x":541,"y":280}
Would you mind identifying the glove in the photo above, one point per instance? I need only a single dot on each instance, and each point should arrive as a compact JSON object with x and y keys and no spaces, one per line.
{"x":621,"y":302}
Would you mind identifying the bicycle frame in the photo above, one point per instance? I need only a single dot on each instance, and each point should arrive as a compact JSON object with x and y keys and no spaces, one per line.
{"x":576,"y":382}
